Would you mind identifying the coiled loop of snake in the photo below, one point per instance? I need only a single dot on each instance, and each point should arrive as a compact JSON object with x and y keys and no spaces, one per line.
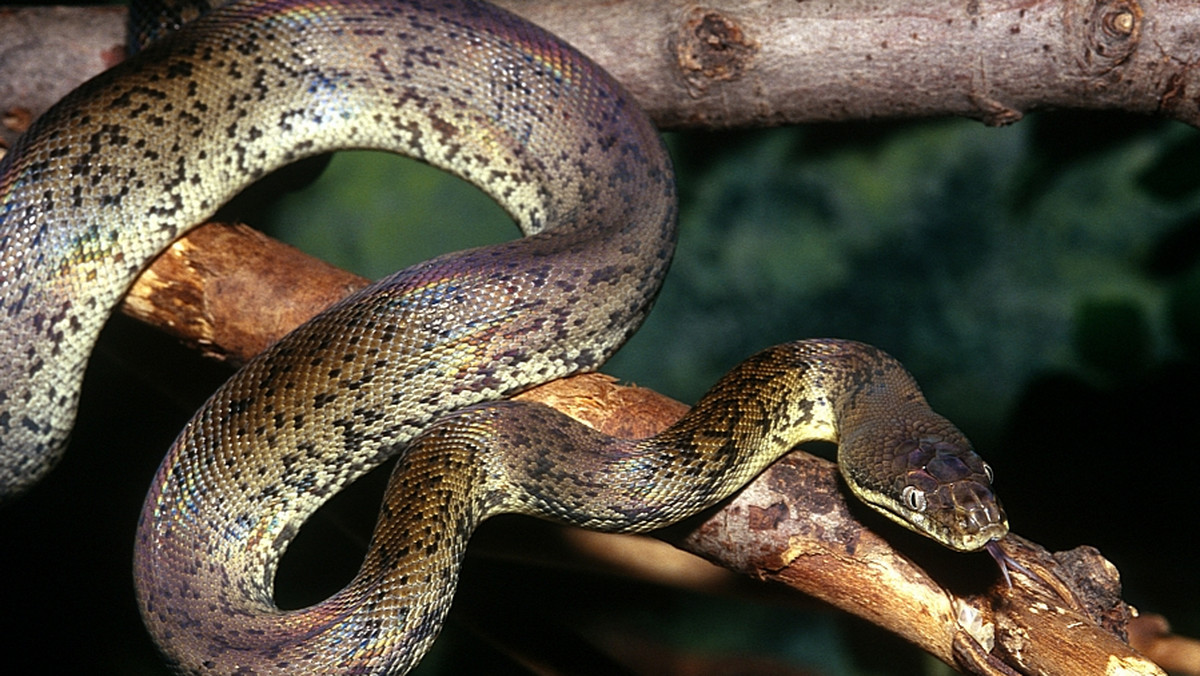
{"x":123,"y":165}
{"x":112,"y":174}
{"x":207,"y":552}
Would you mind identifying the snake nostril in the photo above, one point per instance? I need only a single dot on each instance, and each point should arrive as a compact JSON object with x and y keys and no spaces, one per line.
{"x":984,"y":516}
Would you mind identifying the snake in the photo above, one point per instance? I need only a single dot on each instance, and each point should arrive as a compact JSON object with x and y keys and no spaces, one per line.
{"x":420,"y":364}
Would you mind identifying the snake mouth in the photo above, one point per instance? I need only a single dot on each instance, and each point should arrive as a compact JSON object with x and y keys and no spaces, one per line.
{"x":971,"y":516}
{"x":982,"y":520}
{"x":961,"y":526}
{"x":973,"y":542}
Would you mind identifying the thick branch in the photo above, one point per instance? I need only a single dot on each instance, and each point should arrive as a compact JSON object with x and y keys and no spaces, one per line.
{"x":766,"y":63}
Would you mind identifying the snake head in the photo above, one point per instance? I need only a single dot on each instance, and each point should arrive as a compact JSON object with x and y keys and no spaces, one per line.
{"x":939,"y":488}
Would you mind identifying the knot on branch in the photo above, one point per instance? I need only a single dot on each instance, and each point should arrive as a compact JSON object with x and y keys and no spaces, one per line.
{"x":1097,"y":588}
{"x":711,"y":45}
{"x":1114,"y":29}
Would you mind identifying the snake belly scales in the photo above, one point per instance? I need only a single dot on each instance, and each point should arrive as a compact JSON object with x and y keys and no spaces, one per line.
{"x":125,"y":164}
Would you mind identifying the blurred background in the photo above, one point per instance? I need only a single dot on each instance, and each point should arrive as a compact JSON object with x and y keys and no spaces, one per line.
{"x":1041,"y":281}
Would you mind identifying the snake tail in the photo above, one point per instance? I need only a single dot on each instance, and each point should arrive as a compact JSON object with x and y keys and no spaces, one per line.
{"x":133,"y":158}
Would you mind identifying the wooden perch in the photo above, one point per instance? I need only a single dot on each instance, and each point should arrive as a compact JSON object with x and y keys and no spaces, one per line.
{"x":738,"y":64}
{"x":230,"y":291}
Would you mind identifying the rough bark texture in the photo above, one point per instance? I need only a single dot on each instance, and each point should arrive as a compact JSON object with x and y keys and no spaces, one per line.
{"x":233,"y":305}
{"x":46,"y":52}
{"x":728,"y":64}
{"x":753,"y":64}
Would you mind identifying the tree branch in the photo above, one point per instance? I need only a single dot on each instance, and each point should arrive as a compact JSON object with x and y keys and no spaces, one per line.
{"x":766,"y":63}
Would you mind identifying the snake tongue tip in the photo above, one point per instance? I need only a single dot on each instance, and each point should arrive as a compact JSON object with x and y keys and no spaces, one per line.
{"x":1002,"y":560}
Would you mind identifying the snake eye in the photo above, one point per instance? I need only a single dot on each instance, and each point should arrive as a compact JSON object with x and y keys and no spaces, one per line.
{"x":987,"y":470}
{"x":914,"y":498}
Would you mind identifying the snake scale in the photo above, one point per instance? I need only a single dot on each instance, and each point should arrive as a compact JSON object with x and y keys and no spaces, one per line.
{"x":418,"y":363}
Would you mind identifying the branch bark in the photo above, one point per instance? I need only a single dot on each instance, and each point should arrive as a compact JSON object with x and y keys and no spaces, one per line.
{"x":765,"y":63}
{"x":754,"y":64}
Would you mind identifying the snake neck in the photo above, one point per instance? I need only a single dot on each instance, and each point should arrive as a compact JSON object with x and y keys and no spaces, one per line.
{"x":811,"y":390}
{"x":910,"y":463}
{"x":894,"y":452}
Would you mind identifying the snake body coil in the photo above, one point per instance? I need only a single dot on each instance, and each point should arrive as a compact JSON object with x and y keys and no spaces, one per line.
{"x":112,"y":174}
{"x":132,"y":159}
{"x":207,"y":551}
